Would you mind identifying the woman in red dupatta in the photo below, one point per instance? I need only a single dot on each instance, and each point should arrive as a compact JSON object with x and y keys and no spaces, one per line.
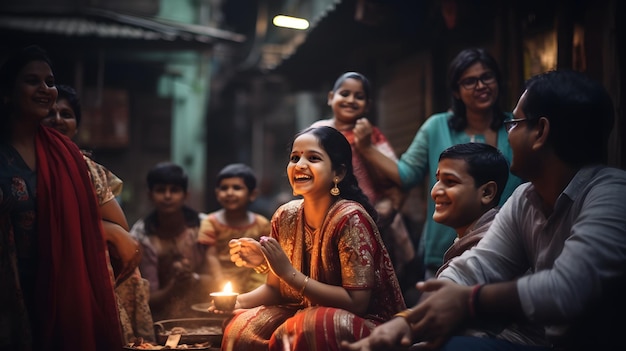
{"x":55,"y":287}
{"x":330,"y":276}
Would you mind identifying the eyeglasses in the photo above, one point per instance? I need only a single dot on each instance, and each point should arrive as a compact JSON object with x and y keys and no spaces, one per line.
{"x":512,"y":123}
{"x":470,"y":83}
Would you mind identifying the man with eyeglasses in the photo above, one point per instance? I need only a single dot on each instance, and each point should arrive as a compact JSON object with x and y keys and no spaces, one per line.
{"x":555,"y":255}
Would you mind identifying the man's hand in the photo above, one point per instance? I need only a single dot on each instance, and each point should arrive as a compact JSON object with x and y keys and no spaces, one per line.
{"x":440,"y":313}
{"x":432,"y":321}
{"x":392,"y":335}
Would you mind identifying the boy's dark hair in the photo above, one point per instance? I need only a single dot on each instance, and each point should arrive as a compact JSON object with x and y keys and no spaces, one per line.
{"x":580,"y":112}
{"x":68,"y":93}
{"x":171,"y":174}
{"x":484,"y":163}
{"x":459,"y":64}
{"x":238,"y":170}
{"x":167,"y":173}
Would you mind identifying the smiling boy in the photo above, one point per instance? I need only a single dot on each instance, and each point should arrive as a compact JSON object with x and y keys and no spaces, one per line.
{"x":470,"y":181}
{"x":235,"y":190}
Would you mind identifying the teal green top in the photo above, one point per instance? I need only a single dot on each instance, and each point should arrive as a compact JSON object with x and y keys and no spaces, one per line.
{"x":423,"y":156}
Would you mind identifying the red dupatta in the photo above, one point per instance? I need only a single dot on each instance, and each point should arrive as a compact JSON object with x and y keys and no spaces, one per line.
{"x":76,"y":303}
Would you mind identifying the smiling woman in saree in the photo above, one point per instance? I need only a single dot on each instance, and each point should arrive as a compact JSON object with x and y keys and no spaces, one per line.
{"x":330,"y":275}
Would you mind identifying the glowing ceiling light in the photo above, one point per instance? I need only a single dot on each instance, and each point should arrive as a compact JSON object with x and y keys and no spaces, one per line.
{"x":290,"y":22}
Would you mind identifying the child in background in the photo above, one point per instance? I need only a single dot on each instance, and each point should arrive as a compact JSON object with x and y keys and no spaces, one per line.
{"x":350,"y":101}
{"x":180,"y":271}
{"x":235,"y":190}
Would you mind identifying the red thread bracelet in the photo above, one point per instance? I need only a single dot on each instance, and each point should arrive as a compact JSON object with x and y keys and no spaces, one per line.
{"x":473,"y":300}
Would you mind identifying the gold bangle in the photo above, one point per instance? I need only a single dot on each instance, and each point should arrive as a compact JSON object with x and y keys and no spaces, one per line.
{"x":306,"y":280}
{"x":262,"y":268}
{"x":404,"y":314}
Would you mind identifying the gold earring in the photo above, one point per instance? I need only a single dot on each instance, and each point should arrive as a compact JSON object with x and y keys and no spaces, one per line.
{"x":335,"y":190}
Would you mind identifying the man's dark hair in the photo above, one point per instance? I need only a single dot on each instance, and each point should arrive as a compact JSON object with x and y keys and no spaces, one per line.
{"x":238,"y":170}
{"x":580,"y":112}
{"x":485,"y":163}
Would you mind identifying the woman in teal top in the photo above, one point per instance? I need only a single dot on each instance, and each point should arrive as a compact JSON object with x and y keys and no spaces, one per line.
{"x":475,"y":116}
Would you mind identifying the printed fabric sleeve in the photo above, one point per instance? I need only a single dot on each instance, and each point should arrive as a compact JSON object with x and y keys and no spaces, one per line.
{"x":115,"y":183}
{"x":99,"y":178}
{"x":357,"y":251}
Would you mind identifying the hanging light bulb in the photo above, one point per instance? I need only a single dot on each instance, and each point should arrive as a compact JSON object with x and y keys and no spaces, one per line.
{"x":290,"y":22}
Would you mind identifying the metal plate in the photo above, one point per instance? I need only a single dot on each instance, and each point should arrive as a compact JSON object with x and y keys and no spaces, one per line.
{"x":194,"y":326}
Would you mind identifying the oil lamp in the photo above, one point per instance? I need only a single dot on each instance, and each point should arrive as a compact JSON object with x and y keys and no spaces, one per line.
{"x":225,"y":300}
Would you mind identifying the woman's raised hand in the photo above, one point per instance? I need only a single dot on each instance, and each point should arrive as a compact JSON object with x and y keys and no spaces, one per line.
{"x":276,"y":258}
{"x":246,"y":252}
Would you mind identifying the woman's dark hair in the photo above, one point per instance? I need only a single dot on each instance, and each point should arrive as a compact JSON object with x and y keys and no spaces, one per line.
{"x":464,"y":60}
{"x":367,"y":88}
{"x":68,"y":93}
{"x":238,"y":170}
{"x":340,"y":153}
{"x":171,"y":174}
{"x":8,"y":78}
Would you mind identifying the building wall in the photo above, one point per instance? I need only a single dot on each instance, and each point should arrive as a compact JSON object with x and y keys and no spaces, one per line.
{"x":408,"y":68}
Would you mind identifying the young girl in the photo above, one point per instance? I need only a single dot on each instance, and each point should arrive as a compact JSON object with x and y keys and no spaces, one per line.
{"x":350,"y":101}
{"x":330,"y":276}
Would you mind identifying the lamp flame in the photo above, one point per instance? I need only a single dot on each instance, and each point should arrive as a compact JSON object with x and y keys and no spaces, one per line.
{"x":228,"y":288}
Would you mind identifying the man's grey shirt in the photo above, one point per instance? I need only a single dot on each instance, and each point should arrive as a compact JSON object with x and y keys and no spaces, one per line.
{"x":577,"y":254}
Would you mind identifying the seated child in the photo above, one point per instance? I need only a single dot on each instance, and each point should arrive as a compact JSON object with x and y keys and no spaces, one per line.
{"x":235,"y":190}
{"x":470,"y":181}
{"x":180,"y":271}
